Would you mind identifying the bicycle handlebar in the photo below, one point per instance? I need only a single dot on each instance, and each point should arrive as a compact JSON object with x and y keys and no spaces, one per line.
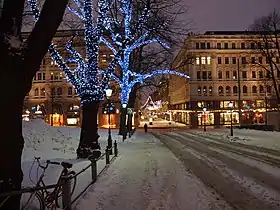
{"x":53,"y":162}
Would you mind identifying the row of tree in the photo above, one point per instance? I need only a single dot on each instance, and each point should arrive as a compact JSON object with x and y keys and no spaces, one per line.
{"x":126,"y":31}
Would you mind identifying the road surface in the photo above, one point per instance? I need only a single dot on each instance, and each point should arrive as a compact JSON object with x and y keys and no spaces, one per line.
{"x":246,"y":176}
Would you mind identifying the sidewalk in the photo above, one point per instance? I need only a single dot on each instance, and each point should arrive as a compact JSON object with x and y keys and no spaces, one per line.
{"x":147,"y":176}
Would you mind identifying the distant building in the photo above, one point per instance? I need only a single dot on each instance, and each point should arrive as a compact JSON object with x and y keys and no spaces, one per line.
{"x":224,"y":62}
{"x":53,"y":98}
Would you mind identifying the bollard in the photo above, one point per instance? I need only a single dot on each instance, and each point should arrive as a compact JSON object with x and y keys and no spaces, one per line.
{"x":107,"y":156}
{"x":116,"y":148}
{"x":66,"y":192}
{"x":93,"y":169}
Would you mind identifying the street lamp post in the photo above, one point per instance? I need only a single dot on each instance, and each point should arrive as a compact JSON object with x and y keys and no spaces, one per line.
{"x":204,"y":114}
{"x":124,"y":110}
{"x":110,"y":141}
{"x":231,"y":111}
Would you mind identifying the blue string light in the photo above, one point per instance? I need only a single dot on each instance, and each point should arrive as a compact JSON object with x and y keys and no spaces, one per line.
{"x":86,"y":76}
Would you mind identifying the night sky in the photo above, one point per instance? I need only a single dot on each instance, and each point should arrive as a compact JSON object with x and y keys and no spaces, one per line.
{"x":227,"y":14}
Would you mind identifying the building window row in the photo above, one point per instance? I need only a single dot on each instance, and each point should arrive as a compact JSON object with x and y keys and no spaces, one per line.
{"x":244,"y":60}
{"x":233,"y":45}
{"x":205,"y":90}
{"x":39,"y":76}
{"x":244,"y":89}
{"x":204,"y":75}
{"x":232,"y":75}
{"x":203,"y":60}
{"x":54,"y":92}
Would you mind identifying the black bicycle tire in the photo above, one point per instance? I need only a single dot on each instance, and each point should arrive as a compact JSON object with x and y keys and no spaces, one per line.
{"x":41,"y":201}
{"x":60,"y":190}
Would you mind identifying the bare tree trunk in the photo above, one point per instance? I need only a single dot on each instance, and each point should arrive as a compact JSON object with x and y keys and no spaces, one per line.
{"x":18,"y":64}
{"x":89,"y":131}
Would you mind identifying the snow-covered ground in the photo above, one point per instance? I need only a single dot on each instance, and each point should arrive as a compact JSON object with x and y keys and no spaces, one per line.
{"x":56,"y":144}
{"x":146,"y":175}
{"x":267,"y":139}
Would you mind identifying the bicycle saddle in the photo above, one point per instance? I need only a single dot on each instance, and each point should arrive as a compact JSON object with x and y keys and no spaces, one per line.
{"x":66,"y":165}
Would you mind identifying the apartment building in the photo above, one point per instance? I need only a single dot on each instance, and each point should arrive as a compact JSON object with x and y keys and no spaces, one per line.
{"x":226,"y":75}
{"x":53,"y":98}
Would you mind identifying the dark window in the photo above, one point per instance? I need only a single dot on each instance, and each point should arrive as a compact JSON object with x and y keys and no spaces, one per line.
{"x":70,"y":91}
{"x":59,"y":91}
{"x":226,"y":60}
{"x":197,"y":45}
{"x":267,"y":60}
{"x":204,"y":75}
{"x":260,"y":60}
{"x":254,"y":89}
{"x":208,"y":45}
{"x":235,"y":90}
{"x":245,"y":89}
{"x":56,"y":76}
{"x":243,"y":60}
{"x":39,"y":76}
{"x":209,"y":75}
{"x":43,"y":76}
{"x":220,"y":75}
{"x":51,"y":75}
{"x":221,"y":90}
{"x":36,"y":92}
{"x":202,"y":45}
{"x":253,"y":60}
{"x":252,"y":45}
{"x":228,"y":90}
{"x":244,"y":74}
{"x":219,"y":46}
{"x":268,"y":74}
{"x":268,"y":89}
{"x":226,"y":46}
{"x":254,"y":75}
{"x":219,"y":60}
{"x":260,"y":74}
{"x":242,"y":45}
{"x":233,"y":60}
{"x":234,"y":75}
{"x":43,"y":92}
{"x":198,"y":75}
{"x":261,"y":89}
{"x":233,"y":46}
{"x":227,"y":75}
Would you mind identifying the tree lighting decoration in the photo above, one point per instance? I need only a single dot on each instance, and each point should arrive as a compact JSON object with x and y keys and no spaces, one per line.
{"x":130,"y":42}
{"x":86,"y":76}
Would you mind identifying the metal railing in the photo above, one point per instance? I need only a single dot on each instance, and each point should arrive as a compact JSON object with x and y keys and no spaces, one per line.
{"x":67,"y":200}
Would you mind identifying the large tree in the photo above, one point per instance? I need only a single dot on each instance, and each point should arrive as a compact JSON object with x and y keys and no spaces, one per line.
{"x":19,"y":61}
{"x":89,"y":82}
{"x":141,"y":23}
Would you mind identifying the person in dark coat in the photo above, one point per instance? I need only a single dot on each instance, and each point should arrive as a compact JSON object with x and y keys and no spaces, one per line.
{"x":146,"y":127}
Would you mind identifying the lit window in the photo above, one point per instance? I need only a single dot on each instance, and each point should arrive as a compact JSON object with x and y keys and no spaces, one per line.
{"x":203,"y":60}
{"x":197,"y":61}
{"x":208,"y":60}
{"x":104,"y":56}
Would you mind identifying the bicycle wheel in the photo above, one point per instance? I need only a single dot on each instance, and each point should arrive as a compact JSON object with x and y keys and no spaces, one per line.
{"x":58,"y":196}
{"x":32,"y":201}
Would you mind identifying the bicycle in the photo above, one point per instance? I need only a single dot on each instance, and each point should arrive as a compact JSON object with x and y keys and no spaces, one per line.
{"x":42,"y":199}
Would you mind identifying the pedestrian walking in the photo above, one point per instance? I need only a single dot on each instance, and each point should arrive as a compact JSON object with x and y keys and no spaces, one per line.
{"x":146,"y":128}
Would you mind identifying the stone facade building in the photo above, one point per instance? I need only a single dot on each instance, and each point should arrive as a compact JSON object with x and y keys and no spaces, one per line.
{"x":226,"y":67}
{"x":52,"y":97}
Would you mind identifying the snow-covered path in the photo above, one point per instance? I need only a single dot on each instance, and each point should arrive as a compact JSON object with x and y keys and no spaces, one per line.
{"x":148,"y":176}
{"x":246,"y":176}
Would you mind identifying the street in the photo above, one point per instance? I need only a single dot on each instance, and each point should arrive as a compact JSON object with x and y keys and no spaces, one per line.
{"x":246,"y":176}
